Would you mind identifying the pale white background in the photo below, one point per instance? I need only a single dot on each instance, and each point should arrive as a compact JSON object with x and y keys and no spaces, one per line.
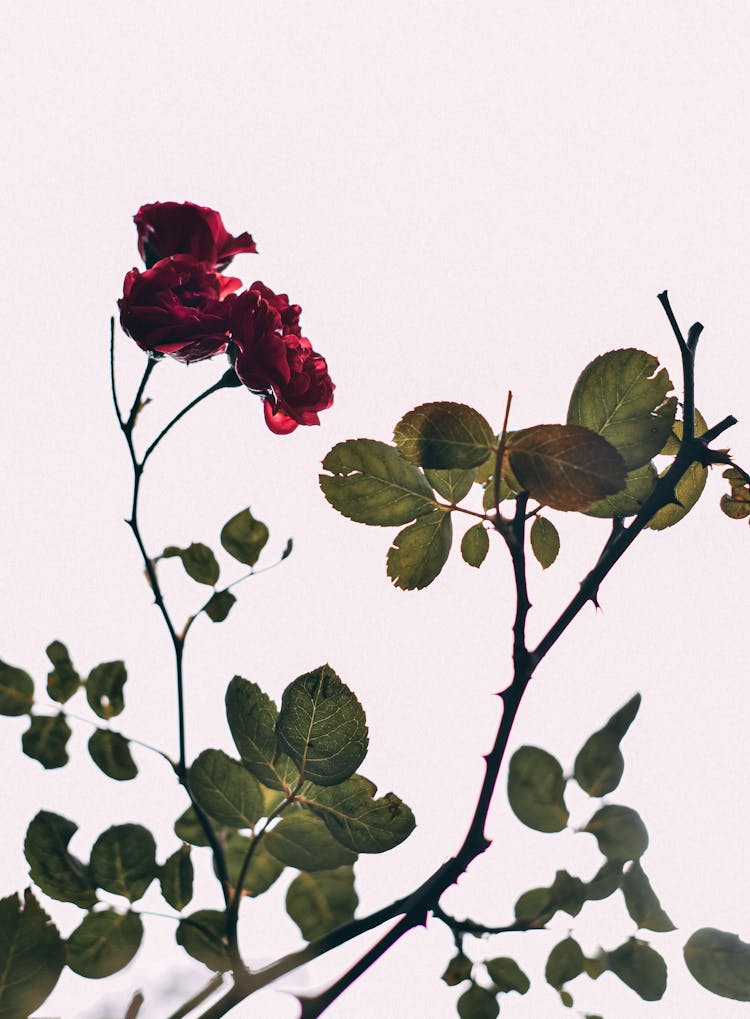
{"x":464,"y":198}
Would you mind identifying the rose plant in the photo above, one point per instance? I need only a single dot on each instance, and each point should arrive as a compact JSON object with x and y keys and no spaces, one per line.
{"x":292,"y":797}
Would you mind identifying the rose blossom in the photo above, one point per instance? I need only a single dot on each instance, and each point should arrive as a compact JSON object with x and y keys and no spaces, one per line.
{"x":176,"y":308}
{"x":168,"y":228}
{"x":273,"y":359}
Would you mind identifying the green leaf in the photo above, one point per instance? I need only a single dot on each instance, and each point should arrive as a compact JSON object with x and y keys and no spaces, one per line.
{"x":46,"y":739}
{"x":475,"y":545}
{"x":535,"y":904}
{"x":621,"y":396}
{"x":16,"y":690}
{"x":322,"y":727}
{"x":104,"y":943}
{"x":218,"y":606}
{"x":188,"y":828}
{"x":420,"y":551}
{"x":32,"y":956}
{"x":688,"y":491}
{"x":252,"y":715}
{"x":545,"y":541}
{"x":225,"y":790}
{"x":370,"y":482}
{"x":565,"y":963}
{"x":303,"y":841}
{"x":639,"y":484}
{"x":262,"y":871}
{"x":198,"y":561}
{"x":458,"y":969}
{"x":104,"y":689}
{"x":477,"y":1003}
{"x":110,"y":752}
{"x":58,"y":873}
{"x":63,"y":681}
{"x":203,"y":935}
{"x":535,"y":790}
{"x":321,"y":902}
{"x":599,"y":765}
{"x":567,"y":467}
{"x":244,"y":537}
{"x":689,"y":488}
{"x":452,"y":485}
{"x":640,"y":967}
{"x":356,"y":819}
{"x":444,"y":436}
{"x":123,"y":860}
{"x":507,"y":975}
{"x":605,"y":882}
{"x":720,"y":962}
{"x":620,"y":833}
{"x":642,"y":902}
{"x":176,"y":878}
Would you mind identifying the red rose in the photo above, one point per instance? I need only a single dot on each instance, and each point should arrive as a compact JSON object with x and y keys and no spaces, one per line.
{"x":275,"y":361}
{"x":168,"y":228}
{"x":176,"y":308}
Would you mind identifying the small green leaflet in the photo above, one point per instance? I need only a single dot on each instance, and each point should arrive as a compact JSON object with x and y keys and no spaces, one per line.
{"x":620,"y":832}
{"x":475,"y":545}
{"x":123,"y":860}
{"x":225,"y":790}
{"x":110,"y":752}
{"x":16,"y":690}
{"x":720,"y":962}
{"x":320,"y":902}
{"x":536,"y":790}
{"x":46,"y":740}
{"x":565,"y":963}
{"x":452,"y":485}
{"x":420,"y":551}
{"x":641,"y":900}
{"x":262,"y":871}
{"x":545,"y":541}
{"x":244,"y":537}
{"x":203,"y":935}
{"x":57,"y":872}
{"x":197,"y":559}
{"x":322,"y":727}
{"x":640,"y":967}
{"x":507,"y":975}
{"x":599,"y":765}
{"x":370,"y":482}
{"x":104,"y":689}
{"x":252,"y":715}
{"x":303,"y":841}
{"x":176,"y":878}
{"x":458,"y":969}
{"x":477,"y":1003}
{"x":63,"y":681}
{"x":622,"y":396}
{"x":104,"y":943}
{"x":444,"y":436}
{"x":32,"y":956}
{"x":356,"y":819}
{"x":219,"y":605}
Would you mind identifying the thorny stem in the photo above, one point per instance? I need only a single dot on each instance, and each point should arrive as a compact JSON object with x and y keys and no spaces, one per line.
{"x":415,"y":908}
{"x":478,"y":930}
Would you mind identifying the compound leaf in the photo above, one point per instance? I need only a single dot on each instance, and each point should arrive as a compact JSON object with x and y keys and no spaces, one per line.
{"x":444,"y":436}
{"x":370,"y":482}
{"x":104,"y":943}
{"x":420,"y":551}
{"x":322,"y":727}
{"x":320,"y":902}
{"x":535,"y":790}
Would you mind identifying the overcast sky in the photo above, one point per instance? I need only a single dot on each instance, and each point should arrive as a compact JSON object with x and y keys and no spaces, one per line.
{"x":463,"y":198}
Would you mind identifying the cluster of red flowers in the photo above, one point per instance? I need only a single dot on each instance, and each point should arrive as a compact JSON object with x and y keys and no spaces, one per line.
{"x":183,"y":306}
